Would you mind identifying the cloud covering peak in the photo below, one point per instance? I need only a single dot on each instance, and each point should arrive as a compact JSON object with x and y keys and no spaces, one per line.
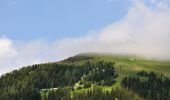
{"x":143,"y":31}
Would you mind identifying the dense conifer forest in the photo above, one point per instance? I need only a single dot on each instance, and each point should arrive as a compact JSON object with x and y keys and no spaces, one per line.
{"x":150,"y":86}
{"x":89,"y":80}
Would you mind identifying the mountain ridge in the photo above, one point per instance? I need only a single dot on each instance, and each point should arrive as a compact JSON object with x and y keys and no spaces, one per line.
{"x":79,"y":74}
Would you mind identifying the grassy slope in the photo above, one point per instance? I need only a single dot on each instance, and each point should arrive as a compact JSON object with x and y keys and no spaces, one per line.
{"x":124,"y":65}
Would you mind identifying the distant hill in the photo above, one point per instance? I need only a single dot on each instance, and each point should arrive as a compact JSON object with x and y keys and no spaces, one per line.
{"x":74,"y":78}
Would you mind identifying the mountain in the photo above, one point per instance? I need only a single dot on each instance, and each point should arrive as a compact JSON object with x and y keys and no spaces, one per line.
{"x":89,"y":77}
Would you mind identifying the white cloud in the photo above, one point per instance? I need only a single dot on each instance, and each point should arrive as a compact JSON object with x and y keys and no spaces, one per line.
{"x":160,"y":3}
{"x":6,"y":48}
{"x":143,"y":31}
{"x":7,"y":53}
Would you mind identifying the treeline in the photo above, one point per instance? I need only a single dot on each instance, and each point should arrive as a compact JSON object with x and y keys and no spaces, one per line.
{"x":150,"y":86}
{"x":103,"y":74}
{"x":59,"y":94}
{"x":53,"y":81}
{"x":95,"y":93}
{"x":26,"y":83}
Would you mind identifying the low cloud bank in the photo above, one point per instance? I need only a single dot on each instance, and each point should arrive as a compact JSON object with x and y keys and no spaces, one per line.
{"x":144,"y":32}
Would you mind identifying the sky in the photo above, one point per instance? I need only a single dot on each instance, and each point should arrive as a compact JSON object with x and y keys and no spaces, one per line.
{"x":39,"y":31}
{"x":56,"y":19}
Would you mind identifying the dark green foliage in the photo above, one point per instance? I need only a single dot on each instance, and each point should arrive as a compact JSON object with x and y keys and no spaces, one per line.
{"x":77,"y":58}
{"x":97,"y":93}
{"x":103,"y":74}
{"x":59,"y":94}
{"x":151,"y":86}
{"x":29,"y":94}
{"x":26,"y":83}
{"x":125,"y":94}
{"x":87,"y":84}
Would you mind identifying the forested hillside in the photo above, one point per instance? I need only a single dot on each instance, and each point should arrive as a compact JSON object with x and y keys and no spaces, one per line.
{"x":89,"y":78}
{"x":150,"y":86}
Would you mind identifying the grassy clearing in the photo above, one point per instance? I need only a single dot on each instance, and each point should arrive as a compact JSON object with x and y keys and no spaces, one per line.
{"x":126,"y":66}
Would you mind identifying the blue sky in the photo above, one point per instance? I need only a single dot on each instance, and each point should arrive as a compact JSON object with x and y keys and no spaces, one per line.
{"x":40,"y":31}
{"x":56,"y":19}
